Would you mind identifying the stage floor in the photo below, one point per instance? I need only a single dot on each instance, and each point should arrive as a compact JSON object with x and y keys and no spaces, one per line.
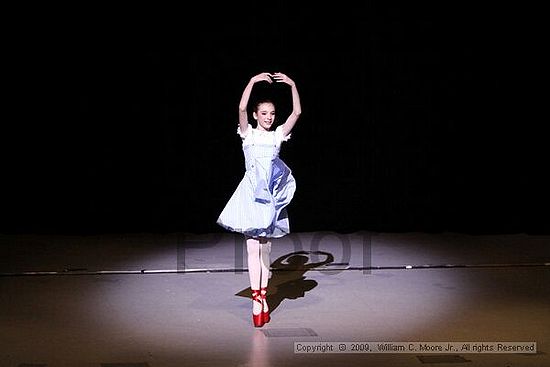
{"x":180,"y":299}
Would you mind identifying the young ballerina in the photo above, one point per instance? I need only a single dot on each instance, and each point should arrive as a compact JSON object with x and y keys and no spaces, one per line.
{"x":257,"y":208}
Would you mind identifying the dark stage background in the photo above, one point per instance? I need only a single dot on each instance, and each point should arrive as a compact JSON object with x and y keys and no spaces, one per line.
{"x":413,"y":120}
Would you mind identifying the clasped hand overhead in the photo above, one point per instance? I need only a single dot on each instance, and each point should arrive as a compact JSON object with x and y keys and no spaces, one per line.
{"x":273,"y":77}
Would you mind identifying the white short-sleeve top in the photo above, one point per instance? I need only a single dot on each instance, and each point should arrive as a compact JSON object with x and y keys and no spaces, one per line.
{"x":255,"y":136}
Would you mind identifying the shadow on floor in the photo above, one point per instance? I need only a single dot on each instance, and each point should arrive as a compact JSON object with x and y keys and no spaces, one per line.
{"x":288,"y":280}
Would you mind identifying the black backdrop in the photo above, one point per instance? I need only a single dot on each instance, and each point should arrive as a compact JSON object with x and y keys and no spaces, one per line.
{"x":412,"y":120}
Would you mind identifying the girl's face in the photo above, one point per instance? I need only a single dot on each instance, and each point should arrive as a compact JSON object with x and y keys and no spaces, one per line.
{"x":265,"y":115}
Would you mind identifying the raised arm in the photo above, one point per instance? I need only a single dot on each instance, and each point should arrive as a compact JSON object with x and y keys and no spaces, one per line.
{"x":296,"y":106}
{"x":243,"y":114}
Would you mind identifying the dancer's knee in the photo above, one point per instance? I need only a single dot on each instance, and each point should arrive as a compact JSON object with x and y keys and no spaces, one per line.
{"x":252,"y":245}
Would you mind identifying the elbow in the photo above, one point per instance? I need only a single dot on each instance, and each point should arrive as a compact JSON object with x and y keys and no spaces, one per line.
{"x":297,"y":113}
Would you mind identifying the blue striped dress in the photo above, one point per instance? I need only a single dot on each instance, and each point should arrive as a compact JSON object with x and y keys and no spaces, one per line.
{"x":257,"y":207}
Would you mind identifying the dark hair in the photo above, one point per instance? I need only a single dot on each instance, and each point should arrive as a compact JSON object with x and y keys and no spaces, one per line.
{"x":260,"y":101}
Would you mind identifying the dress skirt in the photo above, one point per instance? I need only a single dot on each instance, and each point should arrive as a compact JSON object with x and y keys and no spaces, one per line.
{"x":257,"y":207}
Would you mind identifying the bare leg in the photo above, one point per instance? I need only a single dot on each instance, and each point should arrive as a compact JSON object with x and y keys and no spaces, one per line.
{"x":254,"y":270}
{"x":265,"y":249}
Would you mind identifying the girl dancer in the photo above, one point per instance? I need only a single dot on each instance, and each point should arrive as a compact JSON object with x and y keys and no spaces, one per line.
{"x":257,"y":208}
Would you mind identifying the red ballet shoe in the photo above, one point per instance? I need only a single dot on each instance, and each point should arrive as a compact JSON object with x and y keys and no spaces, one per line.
{"x":257,"y":320}
{"x":265,"y":311}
